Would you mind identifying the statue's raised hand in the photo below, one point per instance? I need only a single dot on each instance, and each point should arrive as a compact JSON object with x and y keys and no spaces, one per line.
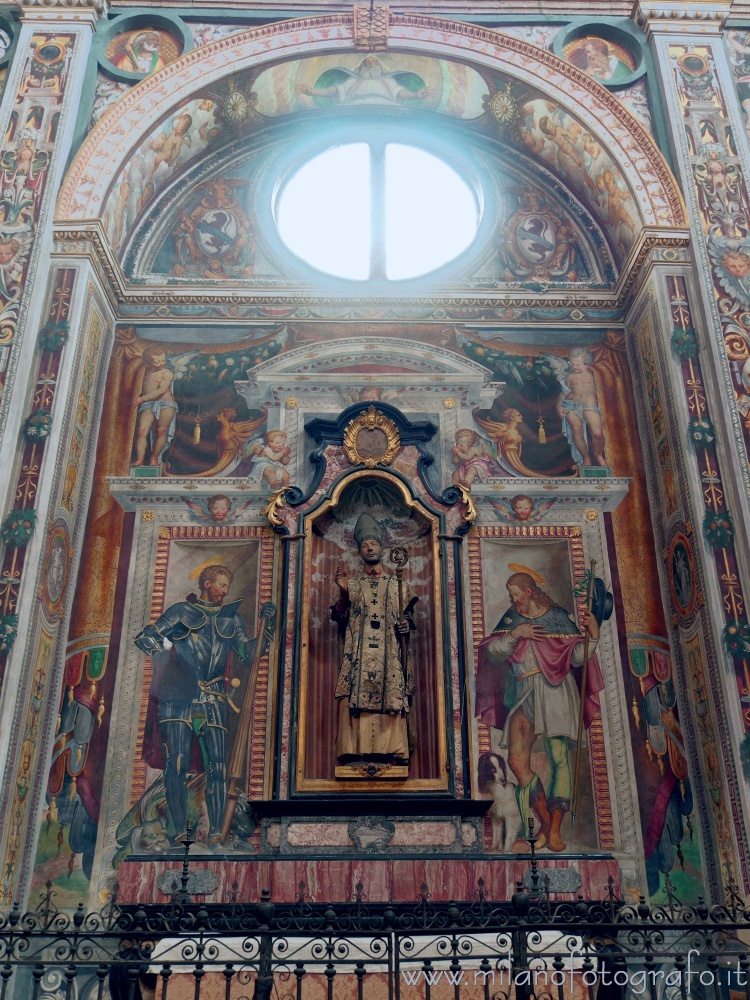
{"x":341,"y":578}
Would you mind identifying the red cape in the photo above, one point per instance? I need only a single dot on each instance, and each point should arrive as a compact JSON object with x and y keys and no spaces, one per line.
{"x":554,"y":654}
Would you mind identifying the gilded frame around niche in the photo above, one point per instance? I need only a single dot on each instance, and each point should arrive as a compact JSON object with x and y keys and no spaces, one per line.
{"x":305,"y":724}
{"x":371,"y":423}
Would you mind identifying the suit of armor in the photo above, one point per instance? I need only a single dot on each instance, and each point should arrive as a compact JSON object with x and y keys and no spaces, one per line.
{"x":190,"y":682}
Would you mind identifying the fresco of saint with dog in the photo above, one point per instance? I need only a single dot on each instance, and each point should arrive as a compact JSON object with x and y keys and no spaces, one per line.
{"x":528,"y":692}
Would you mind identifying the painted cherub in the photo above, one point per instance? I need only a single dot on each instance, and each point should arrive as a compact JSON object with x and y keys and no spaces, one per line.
{"x":169,"y":148}
{"x":617,"y":202}
{"x":578,"y":406}
{"x":521,"y":507}
{"x":270,"y":455}
{"x":472,"y":458}
{"x":217,"y":509}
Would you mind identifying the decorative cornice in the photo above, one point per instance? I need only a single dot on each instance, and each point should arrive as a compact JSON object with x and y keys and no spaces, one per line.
{"x":653,"y":246}
{"x":89,"y":241}
{"x":669,"y":17}
{"x":64,"y":9}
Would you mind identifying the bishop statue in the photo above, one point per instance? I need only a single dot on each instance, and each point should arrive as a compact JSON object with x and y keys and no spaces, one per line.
{"x":375,"y":685}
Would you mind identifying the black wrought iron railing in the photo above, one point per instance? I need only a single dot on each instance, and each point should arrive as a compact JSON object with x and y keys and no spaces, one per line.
{"x":531,"y":947}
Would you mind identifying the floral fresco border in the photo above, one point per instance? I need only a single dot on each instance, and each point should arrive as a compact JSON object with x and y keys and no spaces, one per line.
{"x":25,"y":159}
{"x":18,"y":527}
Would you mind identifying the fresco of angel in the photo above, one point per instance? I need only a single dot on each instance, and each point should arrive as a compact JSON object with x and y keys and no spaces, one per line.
{"x":370,"y":83}
{"x":233,"y":442}
{"x":521,"y":508}
{"x":618,"y":202}
{"x":578,"y":406}
{"x":507,"y":440}
{"x":218,"y":509}
{"x":473,"y":459}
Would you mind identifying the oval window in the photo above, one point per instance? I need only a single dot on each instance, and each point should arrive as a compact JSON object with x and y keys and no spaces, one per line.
{"x":386,"y":211}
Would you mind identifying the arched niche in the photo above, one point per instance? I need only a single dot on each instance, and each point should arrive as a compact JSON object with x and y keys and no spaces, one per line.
{"x":406,"y":522}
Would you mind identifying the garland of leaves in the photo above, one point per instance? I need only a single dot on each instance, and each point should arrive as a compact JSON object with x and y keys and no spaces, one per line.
{"x":521,"y":368}
{"x":685,"y":342}
{"x":54,"y":336}
{"x":38,"y":425}
{"x":718,"y":529}
{"x":18,"y":527}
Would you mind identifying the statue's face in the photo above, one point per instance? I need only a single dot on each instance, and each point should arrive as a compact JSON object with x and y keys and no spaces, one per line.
{"x":370,"y":551}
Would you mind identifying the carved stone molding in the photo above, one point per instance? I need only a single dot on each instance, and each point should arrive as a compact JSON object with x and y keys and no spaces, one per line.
{"x":65,"y":8}
{"x":681,"y":16}
{"x":371,"y":28}
{"x":654,"y":245}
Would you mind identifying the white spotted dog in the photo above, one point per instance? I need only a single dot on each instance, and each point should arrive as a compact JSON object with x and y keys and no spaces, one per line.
{"x":493,"y":781}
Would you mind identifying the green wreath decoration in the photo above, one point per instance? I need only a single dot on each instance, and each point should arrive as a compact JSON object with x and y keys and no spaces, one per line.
{"x":701,"y":432}
{"x":54,"y":336}
{"x":718,"y":529}
{"x":38,"y":425}
{"x":18,"y":527}
{"x":8,"y":632}
{"x":685,"y":342}
{"x":737,"y":638}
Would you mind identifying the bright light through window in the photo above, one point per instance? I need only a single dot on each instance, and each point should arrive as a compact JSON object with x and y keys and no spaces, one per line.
{"x":430,"y":212}
{"x":378,"y":211}
{"x":324,"y":214}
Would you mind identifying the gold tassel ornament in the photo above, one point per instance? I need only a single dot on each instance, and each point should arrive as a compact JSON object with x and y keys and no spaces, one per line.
{"x":542,"y":432}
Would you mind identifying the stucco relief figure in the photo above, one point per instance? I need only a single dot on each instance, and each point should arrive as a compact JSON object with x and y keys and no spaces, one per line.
{"x":526,"y":689}
{"x":375,"y":685}
{"x":190,"y":647}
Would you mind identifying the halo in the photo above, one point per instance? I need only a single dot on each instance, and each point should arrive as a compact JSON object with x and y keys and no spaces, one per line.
{"x":520,"y":568}
{"x":211,"y":561}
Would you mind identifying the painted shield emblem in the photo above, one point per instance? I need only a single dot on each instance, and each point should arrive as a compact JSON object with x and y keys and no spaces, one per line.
{"x":216,"y":232}
{"x":536,"y":239}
